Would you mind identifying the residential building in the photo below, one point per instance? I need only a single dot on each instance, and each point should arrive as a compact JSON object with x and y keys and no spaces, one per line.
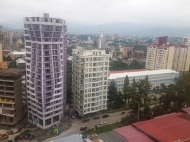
{"x":5,"y":39}
{"x":185,"y":41}
{"x":4,"y":65}
{"x":102,"y":42}
{"x":46,"y":60}
{"x":11,"y":105}
{"x":114,"y":37}
{"x":113,"y":53}
{"x":16,"y":54}
{"x":139,"y":54}
{"x":173,"y":127}
{"x":175,"y":57}
{"x":162,"y":40}
{"x":1,"y":53}
{"x":188,"y":42}
{"x":156,"y":77}
{"x":21,"y":63}
{"x":90,"y":80}
{"x":126,"y":51}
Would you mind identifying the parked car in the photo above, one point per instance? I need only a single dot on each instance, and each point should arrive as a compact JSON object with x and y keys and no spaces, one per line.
{"x":32,"y":137}
{"x":21,"y":137}
{"x":85,"y":120}
{"x":96,"y":117}
{"x":84,"y":136}
{"x":79,"y":117}
{"x":122,"y":113}
{"x":83,"y":128}
{"x":102,"y":123}
{"x":26,"y":136}
{"x":105,"y":115}
{"x":16,"y":138}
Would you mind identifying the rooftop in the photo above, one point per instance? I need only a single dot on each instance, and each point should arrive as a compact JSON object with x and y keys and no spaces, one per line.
{"x":140,"y":73}
{"x":11,"y":72}
{"x":167,"y":46}
{"x":72,"y":138}
{"x":123,"y":71}
{"x":20,"y":60}
{"x":133,"y":135}
{"x":111,"y":136}
{"x":18,"y":53}
{"x":166,"y":128}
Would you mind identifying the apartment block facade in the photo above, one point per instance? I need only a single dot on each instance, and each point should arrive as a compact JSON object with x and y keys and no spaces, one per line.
{"x":156,"y":77}
{"x":90,"y":80}
{"x":46,"y":60}
{"x":11,"y":104}
{"x":172,"y":57}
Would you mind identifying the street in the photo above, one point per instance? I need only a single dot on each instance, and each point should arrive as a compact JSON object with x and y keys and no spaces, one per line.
{"x":77,"y":124}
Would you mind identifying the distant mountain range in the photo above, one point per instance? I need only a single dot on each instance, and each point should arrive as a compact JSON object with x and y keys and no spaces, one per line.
{"x":121,"y":28}
{"x":132,"y":29}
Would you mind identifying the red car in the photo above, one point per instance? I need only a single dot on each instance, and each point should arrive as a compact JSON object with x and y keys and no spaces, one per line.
{"x":21,"y":137}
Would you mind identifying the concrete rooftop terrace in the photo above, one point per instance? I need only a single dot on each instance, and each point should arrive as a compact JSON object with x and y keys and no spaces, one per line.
{"x":140,"y":73}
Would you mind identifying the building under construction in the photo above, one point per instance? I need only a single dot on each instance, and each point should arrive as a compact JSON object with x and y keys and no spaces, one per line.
{"x":11,"y":99}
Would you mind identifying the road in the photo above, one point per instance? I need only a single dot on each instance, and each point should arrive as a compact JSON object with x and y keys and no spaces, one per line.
{"x":77,"y":124}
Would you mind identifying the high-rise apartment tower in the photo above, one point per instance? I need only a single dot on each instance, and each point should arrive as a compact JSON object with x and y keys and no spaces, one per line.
{"x":90,"y":80}
{"x":45,"y":42}
{"x":174,"y":57}
{"x":102,"y":43}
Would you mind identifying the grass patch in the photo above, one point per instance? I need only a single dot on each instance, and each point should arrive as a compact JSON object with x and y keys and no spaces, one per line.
{"x":105,"y":128}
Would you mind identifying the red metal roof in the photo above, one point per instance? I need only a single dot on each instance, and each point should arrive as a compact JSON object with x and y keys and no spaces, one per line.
{"x":133,"y":135}
{"x":123,"y":71}
{"x":167,"y":128}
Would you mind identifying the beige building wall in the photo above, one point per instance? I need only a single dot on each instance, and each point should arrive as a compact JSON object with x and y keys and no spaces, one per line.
{"x":187,"y":63}
{"x":170,"y":58}
{"x":161,"y":58}
{"x":151,"y":58}
{"x":1,"y":54}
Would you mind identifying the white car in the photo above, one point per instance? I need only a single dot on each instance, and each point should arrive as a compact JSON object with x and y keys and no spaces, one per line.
{"x":102,"y":123}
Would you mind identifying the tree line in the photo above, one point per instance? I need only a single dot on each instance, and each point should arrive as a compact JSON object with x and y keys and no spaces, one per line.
{"x":120,"y":65}
{"x":146,"y":105}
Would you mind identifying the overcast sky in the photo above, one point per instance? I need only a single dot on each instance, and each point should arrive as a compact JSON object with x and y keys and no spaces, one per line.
{"x":169,"y":12}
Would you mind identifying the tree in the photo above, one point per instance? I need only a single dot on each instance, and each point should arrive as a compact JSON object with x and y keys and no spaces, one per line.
{"x":12,"y":65}
{"x":119,"y":101}
{"x":112,"y":92}
{"x":144,"y":88}
{"x":126,"y":90}
{"x":69,"y":82}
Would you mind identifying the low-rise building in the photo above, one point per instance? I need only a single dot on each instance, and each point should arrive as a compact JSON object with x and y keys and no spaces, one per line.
{"x":11,"y":104}
{"x":139,"y":54}
{"x":21,"y":63}
{"x":156,"y":77}
{"x":4,"y":65}
{"x":127,"y":51}
{"x":16,"y":54}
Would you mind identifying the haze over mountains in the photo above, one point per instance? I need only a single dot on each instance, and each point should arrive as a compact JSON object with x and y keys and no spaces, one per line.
{"x":132,"y":29}
{"x":122,"y":28}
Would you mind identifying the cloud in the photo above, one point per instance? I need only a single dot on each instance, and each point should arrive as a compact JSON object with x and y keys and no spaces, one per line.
{"x":163,"y":12}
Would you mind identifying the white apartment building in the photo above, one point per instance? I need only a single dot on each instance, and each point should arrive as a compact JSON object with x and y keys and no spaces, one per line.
{"x":172,"y":57}
{"x":90,"y":80}
{"x":46,"y":60}
{"x":102,"y":42}
{"x":156,"y":77}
